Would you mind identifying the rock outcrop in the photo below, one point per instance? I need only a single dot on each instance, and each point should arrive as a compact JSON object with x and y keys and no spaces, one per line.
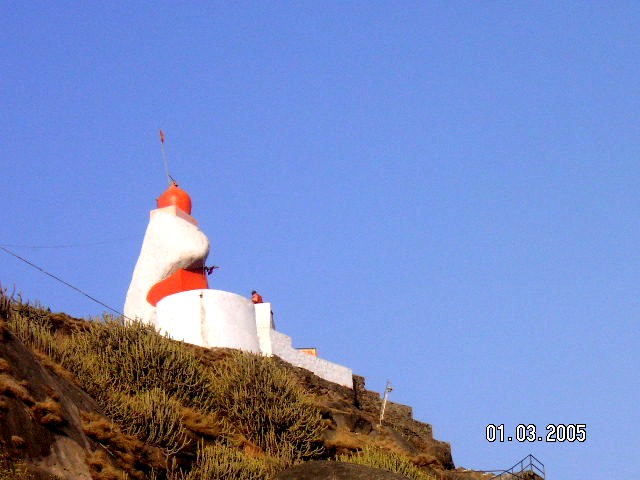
{"x":336,"y":471}
{"x":40,"y":414}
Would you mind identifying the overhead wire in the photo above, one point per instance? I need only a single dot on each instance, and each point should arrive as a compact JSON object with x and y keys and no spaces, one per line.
{"x":55,"y":277}
{"x":64,"y":282}
{"x":69,"y":245}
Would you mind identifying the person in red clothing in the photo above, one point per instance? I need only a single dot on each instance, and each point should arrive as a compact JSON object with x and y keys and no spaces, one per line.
{"x":256,"y":297}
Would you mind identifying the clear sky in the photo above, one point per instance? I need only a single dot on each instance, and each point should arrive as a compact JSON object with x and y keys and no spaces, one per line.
{"x":443,"y":194}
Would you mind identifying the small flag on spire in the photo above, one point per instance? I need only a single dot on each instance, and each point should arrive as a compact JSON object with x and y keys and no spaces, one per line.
{"x":161,"y":136}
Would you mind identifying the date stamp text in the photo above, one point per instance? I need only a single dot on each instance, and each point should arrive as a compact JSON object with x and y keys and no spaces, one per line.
{"x":570,"y":432}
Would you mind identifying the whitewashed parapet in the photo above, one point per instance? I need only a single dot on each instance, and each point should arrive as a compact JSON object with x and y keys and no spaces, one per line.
{"x":281,"y":347}
{"x":264,"y":326}
{"x":273,"y":342}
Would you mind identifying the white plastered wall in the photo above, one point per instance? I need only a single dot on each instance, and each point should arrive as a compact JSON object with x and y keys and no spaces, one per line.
{"x":264,"y":325}
{"x":275,"y":343}
{"x":209,"y":318}
{"x":172,"y":241}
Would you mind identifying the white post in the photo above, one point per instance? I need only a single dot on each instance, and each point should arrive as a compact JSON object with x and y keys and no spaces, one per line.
{"x":387,"y":389}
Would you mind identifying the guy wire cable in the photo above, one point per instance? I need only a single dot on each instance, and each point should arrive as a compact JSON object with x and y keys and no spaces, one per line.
{"x":63,"y":282}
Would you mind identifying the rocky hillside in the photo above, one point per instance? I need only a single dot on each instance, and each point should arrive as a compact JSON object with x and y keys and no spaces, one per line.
{"x":103,"y":400}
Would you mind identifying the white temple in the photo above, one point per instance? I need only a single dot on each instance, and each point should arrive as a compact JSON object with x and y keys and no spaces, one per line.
{"x":169,"y":290}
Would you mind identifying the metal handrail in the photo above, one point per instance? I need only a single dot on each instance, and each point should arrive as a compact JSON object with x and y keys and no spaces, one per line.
{"x":534,"y":465}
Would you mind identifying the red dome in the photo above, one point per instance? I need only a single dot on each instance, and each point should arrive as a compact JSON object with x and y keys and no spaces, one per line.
{"x":175,"y":196}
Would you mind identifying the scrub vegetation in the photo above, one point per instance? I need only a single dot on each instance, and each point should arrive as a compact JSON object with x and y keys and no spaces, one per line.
{"x":387,"y":460}
{"x":166,"y":410}
{"x":241,"y":417}
{"x":11,"y":469}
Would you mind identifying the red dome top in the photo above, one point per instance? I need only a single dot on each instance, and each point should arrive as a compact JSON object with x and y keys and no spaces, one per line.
{"x":175,"y":196}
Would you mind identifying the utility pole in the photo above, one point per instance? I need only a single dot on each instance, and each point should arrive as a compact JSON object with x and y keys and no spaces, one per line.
{"x":387,"y":389}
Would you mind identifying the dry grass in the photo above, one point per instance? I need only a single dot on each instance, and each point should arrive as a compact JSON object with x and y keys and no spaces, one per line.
{"x":101,"y":467}
{"x":48,"y":413}
{"x":18,"y":442}
{"x":465,"y":475}
{"x":245,"y":415}
{"x":429,"y":461}
{"x":12,"y":469}
{"x":4,"y":366}
{"x":11,"y":387}
{"x":268,"y":406}
{"x":152,"y":416}
{"x":128,"y":452}
{"x":343,"y":441}
{"x":5,"y":310}
{"x":204,"y":425}
{"x":386,"y":460}
{"x":218,"y":461}
{"x":134,"y":358}
{"x":56,"y":368}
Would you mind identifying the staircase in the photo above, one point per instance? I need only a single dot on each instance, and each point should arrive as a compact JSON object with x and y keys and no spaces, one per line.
{"x":529,"y":468}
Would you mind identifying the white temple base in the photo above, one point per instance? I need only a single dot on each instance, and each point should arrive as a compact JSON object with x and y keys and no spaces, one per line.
{"x":213,"y":318}
{"x":209,"y":318}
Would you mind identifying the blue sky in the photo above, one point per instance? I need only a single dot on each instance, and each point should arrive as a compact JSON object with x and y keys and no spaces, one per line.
{"x":443,"y":194}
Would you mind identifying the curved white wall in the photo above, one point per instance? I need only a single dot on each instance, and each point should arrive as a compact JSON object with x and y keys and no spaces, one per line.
{"x":172,"y":241}
{"x":213,"y":318}
{"x":209,"y":318}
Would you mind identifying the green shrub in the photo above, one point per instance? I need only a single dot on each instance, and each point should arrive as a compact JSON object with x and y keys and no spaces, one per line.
{"x":31,"y":324}
{"x":5,"y":303}
{"x":152,"y":416}
{"x":136,"y":358}
{"x":385,"y":460}
{"x":137,"y":376}
{"x":219,"y":462}
{"x":143,"y":380}
{"x":266,"y":402}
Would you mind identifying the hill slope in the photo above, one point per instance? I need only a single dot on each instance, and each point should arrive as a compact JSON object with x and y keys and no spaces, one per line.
{"x":104,"y":400}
